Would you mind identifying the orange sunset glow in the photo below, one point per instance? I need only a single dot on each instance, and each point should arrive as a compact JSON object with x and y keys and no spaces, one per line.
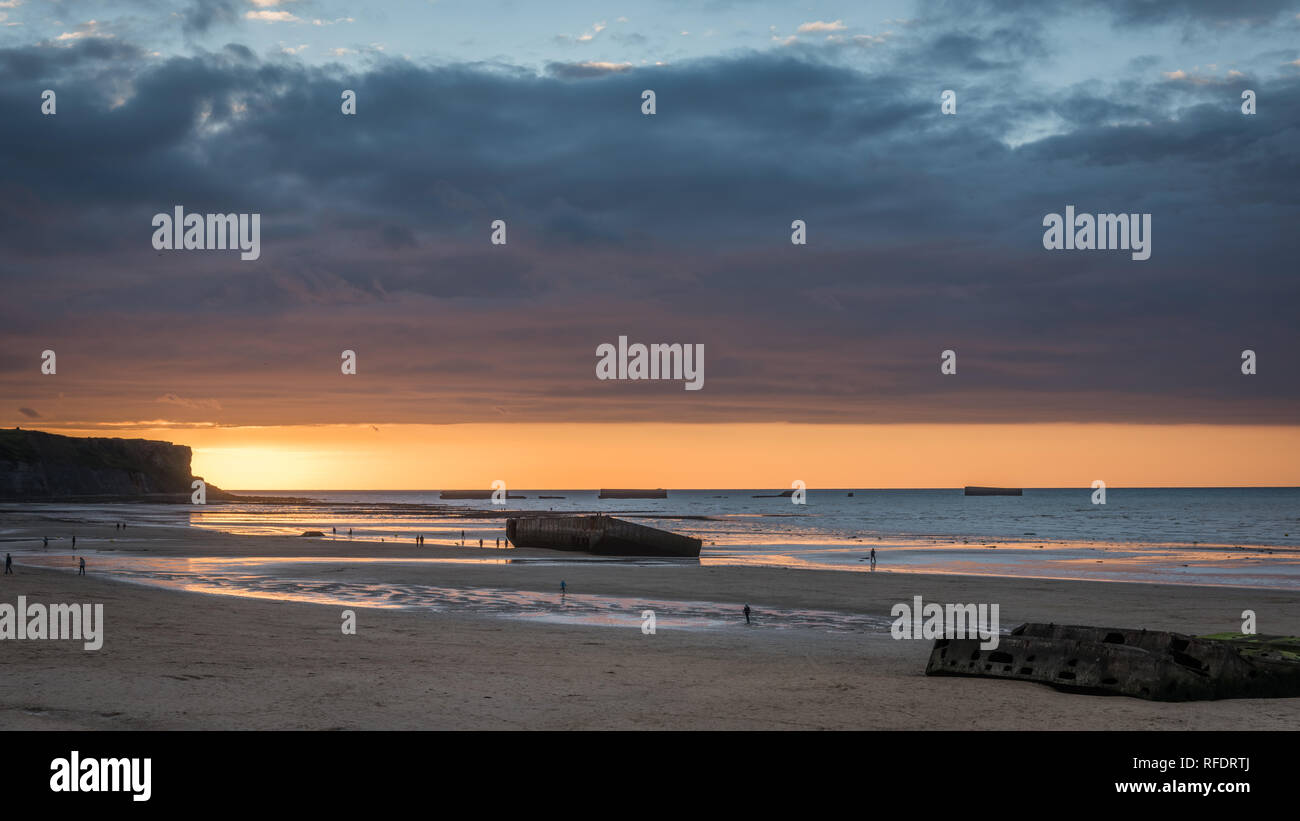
{"x":364,"y":457}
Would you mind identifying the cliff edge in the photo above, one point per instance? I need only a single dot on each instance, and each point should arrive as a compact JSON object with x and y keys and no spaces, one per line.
{"x":38,"y":466}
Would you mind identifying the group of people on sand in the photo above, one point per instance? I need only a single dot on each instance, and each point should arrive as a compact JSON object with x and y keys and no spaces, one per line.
{"x":419,"y":538}
{"x":45,"y":542}
{"x":564,"y":591}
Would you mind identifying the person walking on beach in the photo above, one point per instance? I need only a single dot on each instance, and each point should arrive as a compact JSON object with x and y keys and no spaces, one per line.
{"x":349,"y":533}
{"x":747,"y":621}
{"x":45,"y":542}
{"x":563,"y":587}
{"x":462,"y":538}
{"x":9,"y":565}
{"x":480,"y":544}
{"x":74,"y":542}
{"x":873,"y":558}
{"x":334,"y":531}
{"x":81,"y":570}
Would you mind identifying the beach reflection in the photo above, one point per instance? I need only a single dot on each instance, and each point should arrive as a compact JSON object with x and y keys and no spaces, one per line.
{"x":282,"y":579}
{"x":1224,"y":565}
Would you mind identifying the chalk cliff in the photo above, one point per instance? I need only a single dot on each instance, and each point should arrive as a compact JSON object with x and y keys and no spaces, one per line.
{"x":40,"y":466}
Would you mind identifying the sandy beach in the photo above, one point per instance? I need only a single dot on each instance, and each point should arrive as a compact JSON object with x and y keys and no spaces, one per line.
{"x":174,"y":659}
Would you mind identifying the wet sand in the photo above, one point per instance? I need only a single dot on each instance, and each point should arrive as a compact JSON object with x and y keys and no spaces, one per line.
{"x":183,"y":660}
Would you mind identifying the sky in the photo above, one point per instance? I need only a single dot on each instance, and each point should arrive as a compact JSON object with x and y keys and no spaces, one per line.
{"x":924,"y":234}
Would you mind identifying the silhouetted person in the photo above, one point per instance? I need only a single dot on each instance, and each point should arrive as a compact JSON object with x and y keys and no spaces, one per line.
{"x":334,"y":531}
{"x":9,"y":565}
{"x":498,"y":542}
{"x":563,"y":587}
{"x":747,"y":621}
{"x":462,"y":537}
{"x":349,"y":533}
{"x":480,"y":544}
{"x":45,"y":542}
{"x":81,"y":571}
{"x":74,"y":541}
{"x":873,"y":558}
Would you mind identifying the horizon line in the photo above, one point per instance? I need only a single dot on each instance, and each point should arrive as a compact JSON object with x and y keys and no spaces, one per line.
{"x":827,"y":489}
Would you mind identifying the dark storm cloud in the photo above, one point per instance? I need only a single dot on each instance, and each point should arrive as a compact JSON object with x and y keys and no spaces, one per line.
{"x":996,"y":49}
{"x":1134,"y":12}
{"x":580,"y":70}
{"x":201,"y":15}
{"x":924,"y":234}
{"x":77,"y":62}
{"x":1253,"y":12}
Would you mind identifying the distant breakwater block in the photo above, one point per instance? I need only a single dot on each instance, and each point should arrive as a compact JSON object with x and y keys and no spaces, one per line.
{"x":615,"y":493}
{"x":474,"y":494}
{"x":601,"y":535}
{"x":1149,"y":664}
{"x":975,"y":490}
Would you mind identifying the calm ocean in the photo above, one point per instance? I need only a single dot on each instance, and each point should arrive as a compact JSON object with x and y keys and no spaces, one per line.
{"x":1236,"y":536}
